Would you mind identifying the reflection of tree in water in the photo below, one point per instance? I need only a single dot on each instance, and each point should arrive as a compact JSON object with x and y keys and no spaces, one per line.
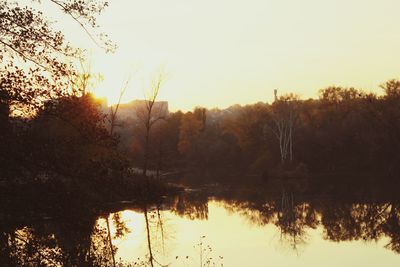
{"x":392,"y":228}
{"x":293,"y":220}
{"x":192,"y":206}
{"x":367,"y":222}
{"x":70,"y":241}
{"x":82,"y":239}
{"x":292,"y":217}
{"x":344,"y":217}
{"x":102,"y":249}
{"x":158,"y":232}
{"x":26,"y":247}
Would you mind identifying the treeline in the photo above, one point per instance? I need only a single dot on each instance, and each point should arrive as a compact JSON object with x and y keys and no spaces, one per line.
{"x":68,"y":139}
{"x":345,"y":214}
{"x":64,"y":152}
{"x":346,"y":130}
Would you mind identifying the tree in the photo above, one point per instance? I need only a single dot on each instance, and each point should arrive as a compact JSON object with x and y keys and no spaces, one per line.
{"x":33,"y":53}
{"x":391,"y":88}
{"x":190,"y":130}
{"x":36,"y":68}
{"x":114,"y":109}
{"x":246,"y":125}
{"x":149,"y":114}
{"x":168,"y":137}
{"x":335,"y":94}
{"x":285,"y":116}
{"x":69,"y":138}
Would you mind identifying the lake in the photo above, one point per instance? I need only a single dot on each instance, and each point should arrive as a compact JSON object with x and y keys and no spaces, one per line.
{"x":218,"y":225}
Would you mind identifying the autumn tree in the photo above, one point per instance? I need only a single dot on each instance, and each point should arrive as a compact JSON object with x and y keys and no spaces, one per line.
{"x":35,"y":57}
{"x":389,"y":119}
{"x":191,"y":127}
{"x":391,"y":88}
{"x":246,"y":125}
{"x":37,"y":66}
{"x":69,"y":138}
{"x":168,"y":136}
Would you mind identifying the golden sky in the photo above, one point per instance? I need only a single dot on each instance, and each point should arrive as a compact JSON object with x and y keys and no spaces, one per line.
{"x":217,"y":53}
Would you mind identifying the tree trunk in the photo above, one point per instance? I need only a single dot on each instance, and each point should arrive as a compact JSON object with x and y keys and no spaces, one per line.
{"x":148,"y":237}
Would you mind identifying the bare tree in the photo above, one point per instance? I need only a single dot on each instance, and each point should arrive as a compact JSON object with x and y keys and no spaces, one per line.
{"x":84,"y":80}
{"x":150,"y":114}
{"x":154,"y":226}
{"x":110,"y":241}
{"x":112,"y":120}
{"x":114,"y":109}
{"x":284,"y":117}
{"x":151,"y":257}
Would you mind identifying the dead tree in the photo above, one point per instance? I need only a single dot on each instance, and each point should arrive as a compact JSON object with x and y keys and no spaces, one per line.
{"x":284,"y":119}
{"x":149,"y":114}
{"x":114,"y":108}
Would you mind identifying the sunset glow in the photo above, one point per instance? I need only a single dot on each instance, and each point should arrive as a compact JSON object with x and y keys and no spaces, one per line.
{"x":199,"y":133}
{"x":218,"y":53}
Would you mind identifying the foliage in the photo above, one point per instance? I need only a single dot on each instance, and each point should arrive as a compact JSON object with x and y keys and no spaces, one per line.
{"x":346,"y":130}
{"x":36,"y":59}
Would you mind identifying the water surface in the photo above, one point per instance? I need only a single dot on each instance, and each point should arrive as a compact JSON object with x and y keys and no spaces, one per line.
{"x":230,"y":236}
{"x":287,"y":224}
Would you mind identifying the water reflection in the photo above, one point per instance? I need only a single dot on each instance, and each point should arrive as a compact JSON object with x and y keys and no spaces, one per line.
{"x":193,"y":205}
{"x":342,"y":218}
{"x":210,"y":228}
{"x":68,"y":241}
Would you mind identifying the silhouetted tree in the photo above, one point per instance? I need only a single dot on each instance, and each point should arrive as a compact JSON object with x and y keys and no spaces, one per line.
{"x":34,"y":55}
{"x":150,"y":114}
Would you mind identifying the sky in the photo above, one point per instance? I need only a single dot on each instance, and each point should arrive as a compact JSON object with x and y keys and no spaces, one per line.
{"x":216,"y":53}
